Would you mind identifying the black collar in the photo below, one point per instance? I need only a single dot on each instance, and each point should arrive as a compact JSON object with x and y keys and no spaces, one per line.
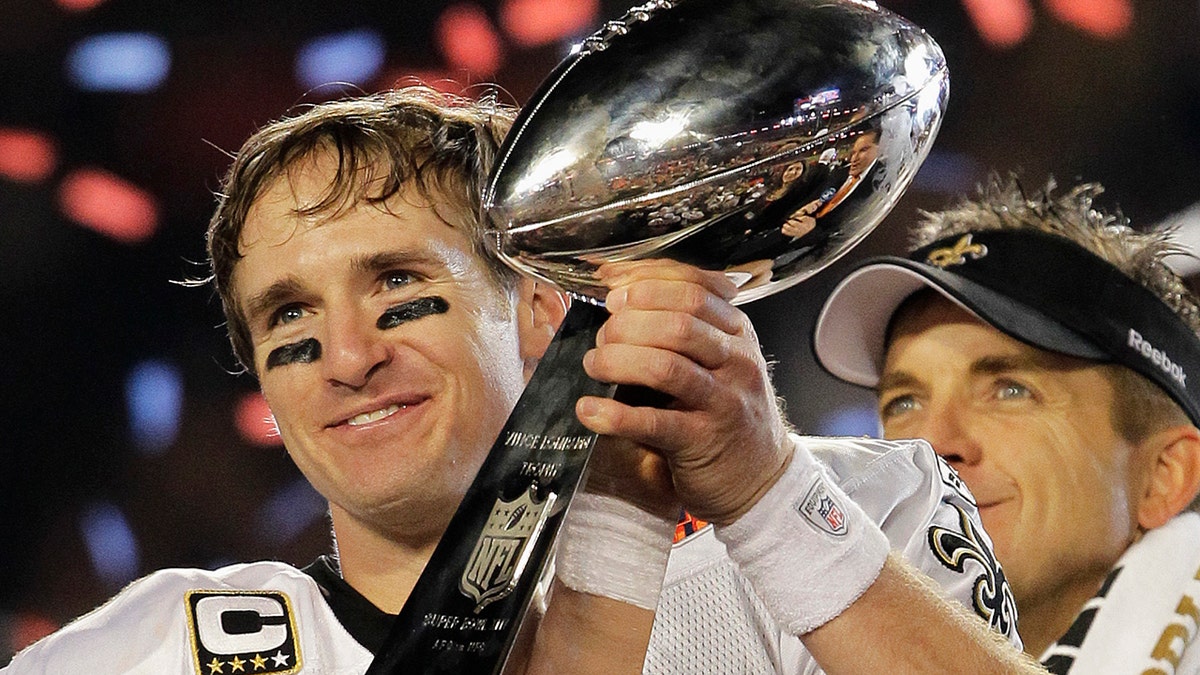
{"x":365,"y":622}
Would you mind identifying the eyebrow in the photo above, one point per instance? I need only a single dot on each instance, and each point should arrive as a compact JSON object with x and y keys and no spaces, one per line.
{"x":894,"y":380}
{"x":1026,"y":361}
{"x":385,"y":260}
{"x":283,"y":290}
{"x":994,"y":365}
{"x":272,"y":296}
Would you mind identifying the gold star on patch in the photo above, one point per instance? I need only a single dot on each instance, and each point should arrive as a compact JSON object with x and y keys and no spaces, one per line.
{"x":259,"y":662}
{"x":215,"y":666}
{"x":237,"y":664}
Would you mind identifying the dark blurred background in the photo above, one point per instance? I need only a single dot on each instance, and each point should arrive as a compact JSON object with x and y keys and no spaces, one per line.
{"x":125,"y":443}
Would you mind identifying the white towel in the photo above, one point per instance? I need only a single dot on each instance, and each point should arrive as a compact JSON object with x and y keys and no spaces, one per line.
{"x":1146,"y":617}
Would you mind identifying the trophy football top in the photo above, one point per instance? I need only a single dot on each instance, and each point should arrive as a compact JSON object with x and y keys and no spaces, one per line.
{"x":698,"y":129}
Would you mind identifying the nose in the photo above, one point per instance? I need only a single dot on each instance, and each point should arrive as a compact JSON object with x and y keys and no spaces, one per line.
{"x":354,"y":349}
{"x":948,"y":429}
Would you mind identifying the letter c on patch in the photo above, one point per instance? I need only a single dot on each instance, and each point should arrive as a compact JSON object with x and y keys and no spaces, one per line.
{"x":268,"y":631}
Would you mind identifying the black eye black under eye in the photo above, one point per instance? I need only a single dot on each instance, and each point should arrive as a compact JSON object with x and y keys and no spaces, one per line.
{"x":411,"y":311}
{"x":304,"y":351}
{"x":309,"y":350}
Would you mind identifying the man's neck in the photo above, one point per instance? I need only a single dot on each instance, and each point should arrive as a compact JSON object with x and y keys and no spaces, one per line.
{"x":1046,"y":616}
{"x":382,"y":568}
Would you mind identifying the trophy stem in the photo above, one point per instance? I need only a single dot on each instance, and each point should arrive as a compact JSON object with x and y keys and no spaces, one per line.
{"x":467,"y":606}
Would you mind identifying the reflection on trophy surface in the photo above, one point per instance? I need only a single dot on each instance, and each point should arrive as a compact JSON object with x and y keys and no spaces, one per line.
{"x":733,"y":118}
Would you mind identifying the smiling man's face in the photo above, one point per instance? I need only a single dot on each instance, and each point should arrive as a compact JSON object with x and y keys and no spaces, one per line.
{"x":388,"y":354}
{"x":1030,"y":432}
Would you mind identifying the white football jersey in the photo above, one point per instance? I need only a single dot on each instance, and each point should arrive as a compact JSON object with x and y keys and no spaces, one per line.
{"x":711,"y":622}
{"x":265,"y":617}
{"x":268,"y":618}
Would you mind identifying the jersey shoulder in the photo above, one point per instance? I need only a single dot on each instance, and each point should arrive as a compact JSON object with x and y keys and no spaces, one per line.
{"x":883,"y":476}
{"x":264,"y":617}
{"x":928,"y":514}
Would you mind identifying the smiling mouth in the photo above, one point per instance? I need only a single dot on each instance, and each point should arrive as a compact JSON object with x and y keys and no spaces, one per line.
{"x":367,"y":418}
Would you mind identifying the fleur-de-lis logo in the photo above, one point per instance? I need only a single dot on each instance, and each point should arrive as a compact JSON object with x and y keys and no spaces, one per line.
{"x":956,"y":254}
{"x":993,"y":598}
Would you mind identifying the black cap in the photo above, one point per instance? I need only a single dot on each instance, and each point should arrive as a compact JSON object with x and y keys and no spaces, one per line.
{"x":1039,"y":288}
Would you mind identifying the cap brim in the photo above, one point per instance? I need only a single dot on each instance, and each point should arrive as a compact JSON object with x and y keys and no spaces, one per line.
{"x":851,"y":331}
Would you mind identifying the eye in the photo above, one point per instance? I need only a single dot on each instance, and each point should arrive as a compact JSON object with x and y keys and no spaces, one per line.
{"x":287,"y":314}
{"x":1007,"y":390}
{"x":394,"y":279}
{"x":897,"y":406}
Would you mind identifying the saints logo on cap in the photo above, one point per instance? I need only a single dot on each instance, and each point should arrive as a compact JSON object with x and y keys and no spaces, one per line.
{"x":956,"y":254}
{"x":242,"y":632}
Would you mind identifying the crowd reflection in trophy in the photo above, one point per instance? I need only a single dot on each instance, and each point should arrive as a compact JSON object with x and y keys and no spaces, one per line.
{"x":802,"y":187}
{"x":803,"y":195}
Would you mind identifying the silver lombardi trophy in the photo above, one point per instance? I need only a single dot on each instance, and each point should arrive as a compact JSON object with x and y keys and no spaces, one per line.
{"x":764,"y":138}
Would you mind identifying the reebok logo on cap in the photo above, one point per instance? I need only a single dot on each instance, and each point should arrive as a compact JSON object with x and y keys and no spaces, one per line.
{"x":1157,"y":356}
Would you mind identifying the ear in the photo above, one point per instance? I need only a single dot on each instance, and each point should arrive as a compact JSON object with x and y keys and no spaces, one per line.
{"x":1174,"y":475}
{"x":540,"y":311}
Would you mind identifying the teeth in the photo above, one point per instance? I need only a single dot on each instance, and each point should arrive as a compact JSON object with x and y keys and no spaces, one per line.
{"x":372,"y":416}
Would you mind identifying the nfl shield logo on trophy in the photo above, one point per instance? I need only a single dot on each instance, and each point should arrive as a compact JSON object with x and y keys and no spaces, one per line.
{"x":504,"y":546}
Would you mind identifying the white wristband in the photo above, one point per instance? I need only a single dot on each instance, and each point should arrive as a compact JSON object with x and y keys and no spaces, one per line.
{"x":611,"y":548}
{"x":806,"y":548}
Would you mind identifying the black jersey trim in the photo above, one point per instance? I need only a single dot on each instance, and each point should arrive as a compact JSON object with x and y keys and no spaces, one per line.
{"x":366,"y":623}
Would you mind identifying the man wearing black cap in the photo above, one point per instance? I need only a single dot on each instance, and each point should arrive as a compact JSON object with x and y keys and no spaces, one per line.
{"x":1048,"y":353}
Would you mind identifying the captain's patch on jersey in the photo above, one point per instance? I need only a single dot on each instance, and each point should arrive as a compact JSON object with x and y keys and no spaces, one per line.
{"x":242,"y":632}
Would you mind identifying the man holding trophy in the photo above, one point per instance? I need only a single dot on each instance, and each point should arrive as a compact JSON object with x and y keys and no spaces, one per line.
{"x":390,"y":348}
{"x":391,"y":336}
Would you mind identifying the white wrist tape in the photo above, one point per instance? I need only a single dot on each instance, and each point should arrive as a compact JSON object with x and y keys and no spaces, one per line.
{"x":611,"y":548}
{"x":806,"y":548}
